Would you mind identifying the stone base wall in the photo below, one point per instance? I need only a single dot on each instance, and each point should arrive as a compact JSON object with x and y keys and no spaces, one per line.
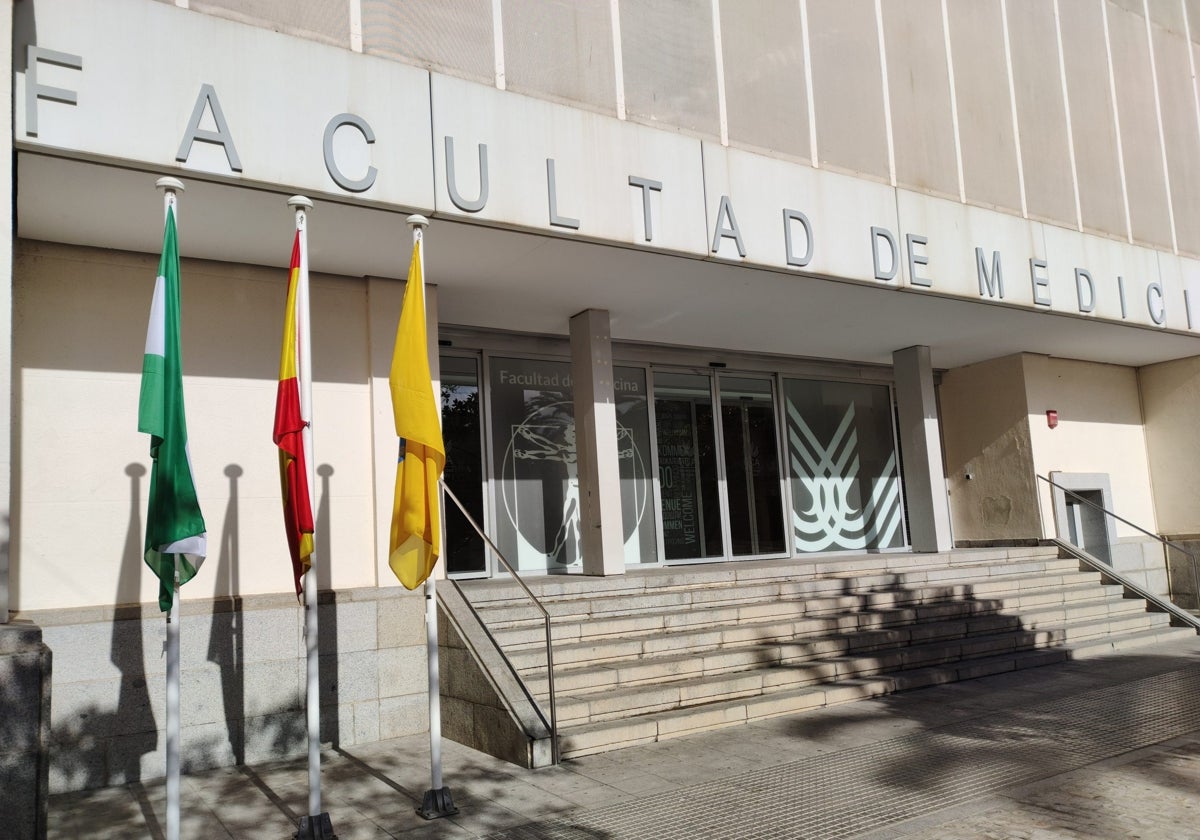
{"x":25,"y":673}
{"x":242,"y":681}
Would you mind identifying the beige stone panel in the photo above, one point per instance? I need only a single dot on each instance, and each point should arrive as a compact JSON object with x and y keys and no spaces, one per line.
{"x":1170,"y":394}
{"x":1099,"y":431}
{"x":1167,"y":14}
{"x":1092,"y":120}
{"x":669,"y":61}
{"x":763,"y":54}
{"x":1041,"y":112}
{"x":847,"y":86}
{"x":455,"y":38}
{"x":1148,"y":206}
{"x":1193,"y":19}
{"x":78,"y":343}
{"x":989,"y":148}
{"x":1181,"y":133}
{"x":989,"y":465}
{"x":561,"y":50}
{"x":327,"y":21}
{"x":919,"y":88}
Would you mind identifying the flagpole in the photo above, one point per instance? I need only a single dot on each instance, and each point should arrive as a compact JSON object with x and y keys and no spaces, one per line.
{"x":171,"y":187}
{"x":437,"y":801}
{"x":317,"y":824}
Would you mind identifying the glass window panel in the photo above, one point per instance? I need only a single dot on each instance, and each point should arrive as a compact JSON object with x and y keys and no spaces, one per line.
{"x":464,"y":463}
{"x":633,"y":456}
{"x":843,"y":466}
{"x":687,"y":466}
{"x":535,"y":466}
{"x":752,"y":466}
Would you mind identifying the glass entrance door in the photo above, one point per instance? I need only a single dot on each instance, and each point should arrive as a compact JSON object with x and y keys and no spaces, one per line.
{"x":752,"y":476}
{"x":689,"y":495}
{"x":461,"y":433}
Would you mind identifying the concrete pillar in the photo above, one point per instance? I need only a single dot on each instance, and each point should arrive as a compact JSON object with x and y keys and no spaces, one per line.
{"x":920,"y":447}
{"x":601,"y":530}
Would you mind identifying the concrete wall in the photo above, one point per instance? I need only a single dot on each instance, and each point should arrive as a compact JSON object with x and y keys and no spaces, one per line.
{"x":1099,"y":431}
{"x":82,"y":466}
{"x":995,"y":430}
{"x":1171,"y":401}
{"x":80,"y":497}
{"x":989,"y":460}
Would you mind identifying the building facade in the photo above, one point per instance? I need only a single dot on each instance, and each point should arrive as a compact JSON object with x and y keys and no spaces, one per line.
{"x":709,"y":281}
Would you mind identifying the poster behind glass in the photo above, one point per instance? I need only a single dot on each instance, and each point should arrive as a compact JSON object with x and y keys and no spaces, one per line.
{"x":843,"y":466}
{"x":536,"y":465}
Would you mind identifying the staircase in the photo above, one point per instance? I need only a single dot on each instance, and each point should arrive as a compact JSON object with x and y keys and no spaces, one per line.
{"x":664,"y":652}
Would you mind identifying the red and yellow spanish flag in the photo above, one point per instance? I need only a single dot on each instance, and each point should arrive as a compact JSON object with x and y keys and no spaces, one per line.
{"x":289,"y":435}
{"x":415,"y":538}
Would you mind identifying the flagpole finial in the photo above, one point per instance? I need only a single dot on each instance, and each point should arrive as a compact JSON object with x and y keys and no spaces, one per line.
{"x":299,"y":201}
{"x":417,"y":221}
{"x":169,"y":184}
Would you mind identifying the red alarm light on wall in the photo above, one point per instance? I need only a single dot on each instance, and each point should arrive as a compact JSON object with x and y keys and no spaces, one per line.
{"x":1051,"y":418}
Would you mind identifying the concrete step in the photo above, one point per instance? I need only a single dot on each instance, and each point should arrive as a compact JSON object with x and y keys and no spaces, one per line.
{"x":795,"y":668}
{"x":658,"y":633}
{"x":499,"y":592}
{"x":591,"y":616}
{"x":602,"y":736}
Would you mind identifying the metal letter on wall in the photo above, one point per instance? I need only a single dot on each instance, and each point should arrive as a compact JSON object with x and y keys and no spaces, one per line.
{"x":35,"y":91}
{"x":790,"y":216}
{"x":341,"y":179}
{"x":647,"y":185}
{"x":992,"y":284}
{"x":1158,"y":314}
{"x":727,"y":227}
{"x":221,"y":137}
{"x":1082,"y":276}
{"x":1041,"y":283}
{"x":552,"y":189}
{"x":878,"y":233}
{"x":914,"y":259}
{"x":452,"y":182}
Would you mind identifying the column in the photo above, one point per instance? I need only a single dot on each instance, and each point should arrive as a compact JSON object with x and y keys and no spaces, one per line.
{"x":601,"y":530}
{"x":920,"y":447}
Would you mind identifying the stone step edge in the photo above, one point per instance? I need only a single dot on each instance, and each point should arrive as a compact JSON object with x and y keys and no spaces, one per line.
{"x":535,"y":651}
{"x":597,"y":626}
{"x":506,"y":590}
{"x":1016,"y":580}
{"x":859,"y":662}
{"x":590,"y":738}
{"x":871,"y":641}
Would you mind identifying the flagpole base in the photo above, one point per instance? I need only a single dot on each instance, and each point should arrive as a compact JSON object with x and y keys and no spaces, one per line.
{"x":315,"y":828}
{"x":437,"y":803}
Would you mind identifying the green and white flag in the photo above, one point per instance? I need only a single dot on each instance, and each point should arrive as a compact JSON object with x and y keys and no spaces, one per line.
{"x":174,"y":524}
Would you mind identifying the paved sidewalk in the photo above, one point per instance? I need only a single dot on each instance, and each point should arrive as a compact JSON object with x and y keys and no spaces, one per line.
{"x":1103,"y":748}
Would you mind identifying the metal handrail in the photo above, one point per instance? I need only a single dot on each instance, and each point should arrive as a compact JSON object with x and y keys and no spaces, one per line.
{"x":545,"y":617}
{"x":1168,"y":543}
{"x":1108,"y":571}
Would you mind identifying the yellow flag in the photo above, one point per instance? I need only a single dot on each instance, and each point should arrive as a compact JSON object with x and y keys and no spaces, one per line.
{"x":415,"y":542}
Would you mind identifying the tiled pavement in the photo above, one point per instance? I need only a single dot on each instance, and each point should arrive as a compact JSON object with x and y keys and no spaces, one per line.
{"x":1100,"y":748}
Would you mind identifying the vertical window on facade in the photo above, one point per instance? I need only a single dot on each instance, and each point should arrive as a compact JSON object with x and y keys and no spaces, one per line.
{"x":464,"y":549}
{"x":843,"y":470}
{"x":687,"y":466}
